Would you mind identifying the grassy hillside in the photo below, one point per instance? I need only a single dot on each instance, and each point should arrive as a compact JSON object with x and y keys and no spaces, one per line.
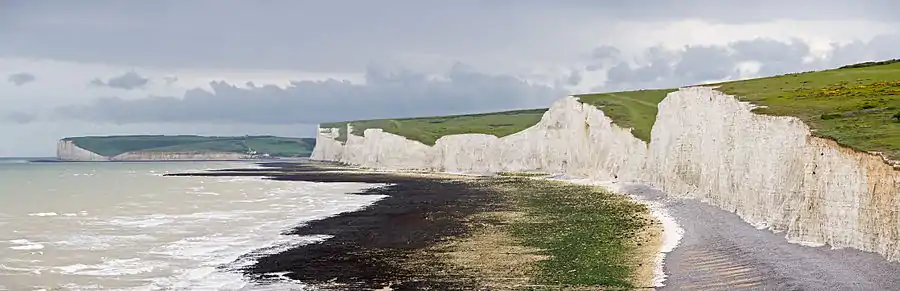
{"x":274,"y":146}
{"x":428,"y":129}
{"x":857,"y":105}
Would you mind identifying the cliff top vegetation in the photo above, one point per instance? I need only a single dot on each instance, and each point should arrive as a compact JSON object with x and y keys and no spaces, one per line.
{"x":272,"y":145}
{"x":854,"y":105}
{"x":428,"y":130}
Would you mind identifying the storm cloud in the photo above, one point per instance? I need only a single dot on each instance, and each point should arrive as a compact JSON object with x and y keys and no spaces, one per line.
{"x":695,"y":64}
{"x":462,"y":89}
{"x":327,"y":36}
{"x":18,"y":117}
{"x":20,"y":79}
{"x":127,"y":81}
{"x":384,"y":94}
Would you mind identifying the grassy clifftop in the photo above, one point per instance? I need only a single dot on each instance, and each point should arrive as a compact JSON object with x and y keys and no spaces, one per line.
{"x":272,"y":145}
{"x":856,"y":105}
{"x":429,"y":129}
{"x":634,"y":109}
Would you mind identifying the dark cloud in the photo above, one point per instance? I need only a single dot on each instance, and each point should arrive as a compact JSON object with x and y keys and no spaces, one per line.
{"x":170,"y":80}
{"x":880,"y":48}
{"x":306,"y":35}
{"x":20,"y":79}
{"x":602,"y":56}
{"x":385,"y":94}
{"x":127,"y":81}
{"x":694,"y":64}
{"x":18,"y":117}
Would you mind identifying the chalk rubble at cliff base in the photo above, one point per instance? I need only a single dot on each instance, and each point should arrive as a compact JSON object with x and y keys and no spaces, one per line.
{"x":705,"y":144}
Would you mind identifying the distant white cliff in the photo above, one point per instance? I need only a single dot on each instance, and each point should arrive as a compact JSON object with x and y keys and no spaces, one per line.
{"x":66,"y":150}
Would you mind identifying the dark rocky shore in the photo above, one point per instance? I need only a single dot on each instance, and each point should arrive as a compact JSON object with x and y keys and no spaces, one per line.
{"x":389,"y":243}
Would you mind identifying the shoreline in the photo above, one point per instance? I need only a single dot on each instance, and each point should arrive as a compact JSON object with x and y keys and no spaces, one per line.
{"x":435,"y":231}
{"x":387,"y":243}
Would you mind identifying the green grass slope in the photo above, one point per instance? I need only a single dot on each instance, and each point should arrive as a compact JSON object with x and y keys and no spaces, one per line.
{"x":635,"y":109}
{"x":857,"y":105}
{"x":274,"y":146}
{"x":429,"y":129}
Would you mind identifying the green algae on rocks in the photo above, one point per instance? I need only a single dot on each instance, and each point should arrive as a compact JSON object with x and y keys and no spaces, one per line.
{"x":581,"y":236}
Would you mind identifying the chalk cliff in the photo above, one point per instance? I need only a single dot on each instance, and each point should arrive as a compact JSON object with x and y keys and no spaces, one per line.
{"x":66,"y":150}
{"x":705,"y":144}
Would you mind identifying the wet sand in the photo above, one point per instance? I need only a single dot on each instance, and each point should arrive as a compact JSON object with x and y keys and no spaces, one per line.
{"x":394,"y":242}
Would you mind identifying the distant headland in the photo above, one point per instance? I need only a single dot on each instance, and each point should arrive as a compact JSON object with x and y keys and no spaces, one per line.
{"x":181,"y":148}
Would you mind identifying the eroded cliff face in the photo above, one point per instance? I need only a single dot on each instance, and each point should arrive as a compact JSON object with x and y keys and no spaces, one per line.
{"x":66,"y":150}
{"x":773,"y":173}
{"x":572,"y":138}
{"x":705,"y":145}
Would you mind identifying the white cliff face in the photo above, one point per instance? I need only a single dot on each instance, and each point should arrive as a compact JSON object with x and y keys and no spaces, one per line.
{"x":572,"y":138}
{"x":705,"y":145}
{"x":66,"y":150}
{"x":773,"y":173}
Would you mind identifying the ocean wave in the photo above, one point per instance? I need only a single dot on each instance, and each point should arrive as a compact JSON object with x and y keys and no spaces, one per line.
{"x":20,"y":270}
{"x":141,"y":222}
{"x":25,"y":245}
{"x":221,"y":258}
{"x":202,"y":250}
{"x":114,"y":267}
{"x":43,"y":214}
{"x":99,"y":242}
{"x":14,"y":161}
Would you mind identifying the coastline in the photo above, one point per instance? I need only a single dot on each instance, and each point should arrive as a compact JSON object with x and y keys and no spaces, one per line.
{"x":437,"y":231}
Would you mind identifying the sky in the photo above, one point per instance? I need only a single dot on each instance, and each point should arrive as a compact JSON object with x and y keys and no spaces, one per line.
{"x":229,"y":67}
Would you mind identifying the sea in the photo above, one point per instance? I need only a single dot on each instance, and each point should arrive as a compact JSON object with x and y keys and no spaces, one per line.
{"x":123,"y":226}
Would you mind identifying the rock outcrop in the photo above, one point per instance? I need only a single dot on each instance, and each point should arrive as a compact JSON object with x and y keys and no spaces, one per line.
{"x":705,"y":144}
